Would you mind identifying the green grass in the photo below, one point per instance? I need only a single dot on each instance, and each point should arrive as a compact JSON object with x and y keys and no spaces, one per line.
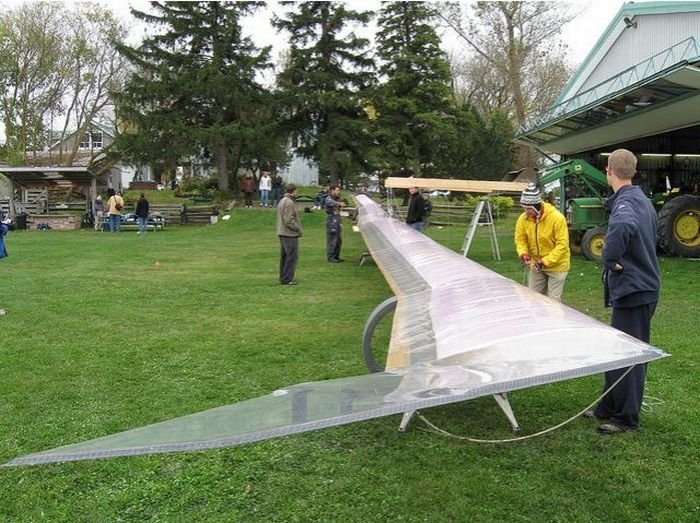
{"x":99,"y":339}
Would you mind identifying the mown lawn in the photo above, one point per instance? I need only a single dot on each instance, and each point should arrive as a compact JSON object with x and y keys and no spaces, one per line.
{"x":100,"y":338}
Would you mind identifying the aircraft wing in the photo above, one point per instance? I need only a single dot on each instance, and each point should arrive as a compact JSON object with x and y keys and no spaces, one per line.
{"x":460,"y":331}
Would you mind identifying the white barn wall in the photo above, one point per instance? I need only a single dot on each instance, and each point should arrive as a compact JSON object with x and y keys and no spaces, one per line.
{"x":654,"y":33}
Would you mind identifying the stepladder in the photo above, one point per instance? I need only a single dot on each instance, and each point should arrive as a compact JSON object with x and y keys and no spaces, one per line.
{"x":482,"y":217}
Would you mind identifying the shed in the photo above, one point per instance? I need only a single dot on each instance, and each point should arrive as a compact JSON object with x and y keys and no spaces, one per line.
{"x":34,"y":183}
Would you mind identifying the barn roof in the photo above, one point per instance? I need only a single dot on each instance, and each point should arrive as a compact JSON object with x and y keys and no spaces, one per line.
{"x":48,"y":176}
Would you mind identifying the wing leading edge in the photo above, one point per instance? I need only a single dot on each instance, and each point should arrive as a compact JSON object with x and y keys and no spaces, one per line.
{"x":460,"y":331}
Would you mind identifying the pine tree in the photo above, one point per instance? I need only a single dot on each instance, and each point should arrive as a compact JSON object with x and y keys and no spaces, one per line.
{"x":322,"y":85}
{"x":193,"y":90}
{"x":414,"y":104}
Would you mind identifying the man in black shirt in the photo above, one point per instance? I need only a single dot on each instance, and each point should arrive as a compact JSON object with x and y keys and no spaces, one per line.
{"x":416,"y":210}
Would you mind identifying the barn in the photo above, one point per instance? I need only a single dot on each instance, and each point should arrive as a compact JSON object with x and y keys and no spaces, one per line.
{"x":638,"y":88}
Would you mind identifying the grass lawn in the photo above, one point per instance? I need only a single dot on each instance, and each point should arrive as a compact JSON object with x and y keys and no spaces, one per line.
{"x":100,"y":338}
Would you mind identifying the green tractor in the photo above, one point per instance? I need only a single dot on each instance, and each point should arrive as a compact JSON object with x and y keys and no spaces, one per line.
{"x":583,"y":189}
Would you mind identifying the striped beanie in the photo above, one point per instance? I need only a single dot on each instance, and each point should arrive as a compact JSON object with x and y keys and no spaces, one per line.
{"x":531,"y":196}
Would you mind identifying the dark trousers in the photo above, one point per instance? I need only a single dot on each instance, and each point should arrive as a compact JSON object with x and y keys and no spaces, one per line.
{"x":276,"y":195}
{"x":622,"y":404}
{"x":334,"y":240}
{"x":289,"y":255}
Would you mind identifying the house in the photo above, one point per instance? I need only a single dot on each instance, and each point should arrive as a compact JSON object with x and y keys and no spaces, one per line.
{"x":97,"y":137}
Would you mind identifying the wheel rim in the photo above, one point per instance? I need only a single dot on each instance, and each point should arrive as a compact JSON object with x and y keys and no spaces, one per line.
{"x":596,"y":245}
{"x":686,"y":229}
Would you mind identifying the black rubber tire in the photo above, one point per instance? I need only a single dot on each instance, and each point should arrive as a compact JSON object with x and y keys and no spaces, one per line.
{"x":679,"y":226}
{"x":388,"y":306}
{"x":592,"y":243}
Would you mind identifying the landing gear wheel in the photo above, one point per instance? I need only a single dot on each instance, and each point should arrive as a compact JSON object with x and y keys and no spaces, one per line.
{"x":386,"y":307}
{"x":592,"y":243}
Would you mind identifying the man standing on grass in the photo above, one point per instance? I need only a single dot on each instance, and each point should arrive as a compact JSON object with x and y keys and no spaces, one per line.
{"x":289,"y":232}
{"x":415,"y":216}
{"x":632,"y":281}
{"x":142,"y":214}
{"x":276,"y":193}
{"x":4,"y":229}
{"x":334,"y":231}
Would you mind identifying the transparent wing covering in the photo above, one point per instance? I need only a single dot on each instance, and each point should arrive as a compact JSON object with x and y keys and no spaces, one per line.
{"x":460,"y":331}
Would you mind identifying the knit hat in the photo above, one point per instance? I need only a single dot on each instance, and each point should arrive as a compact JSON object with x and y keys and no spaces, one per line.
{"x":531,"y":196}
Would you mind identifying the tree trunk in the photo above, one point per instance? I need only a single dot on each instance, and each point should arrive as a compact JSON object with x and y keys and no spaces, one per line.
{"x":222,"y":162}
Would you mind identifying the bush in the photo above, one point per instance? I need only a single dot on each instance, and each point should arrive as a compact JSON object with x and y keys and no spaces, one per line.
{"x":501,"y":204}
{"x":198,"y":185}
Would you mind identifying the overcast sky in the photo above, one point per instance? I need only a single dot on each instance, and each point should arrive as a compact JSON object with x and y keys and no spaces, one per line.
{"x":592,"y":17}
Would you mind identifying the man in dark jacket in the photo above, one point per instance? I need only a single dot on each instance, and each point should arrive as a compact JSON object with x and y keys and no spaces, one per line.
{"x":416,"y":210}
{"x":276,"y":194}
{"x":142,"y":213}
{"x":334,"y":227}
{"x":632,"y":282}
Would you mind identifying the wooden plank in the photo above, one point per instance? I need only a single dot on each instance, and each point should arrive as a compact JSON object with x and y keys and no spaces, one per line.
{"x":441,"y":184}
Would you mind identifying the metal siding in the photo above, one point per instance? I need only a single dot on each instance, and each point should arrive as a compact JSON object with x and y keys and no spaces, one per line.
{"x":654,"y":34}
{"x":300,"y":172}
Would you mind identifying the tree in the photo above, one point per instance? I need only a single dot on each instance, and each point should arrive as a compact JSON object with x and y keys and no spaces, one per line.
{"x":96,"y":70}
{"x":322,"y":85}
{"x":194,"y":89}
{"x":492,"y":151}
{"x":415,"y":117}
{"x":519,"y":64}
{"x":34,"y":67}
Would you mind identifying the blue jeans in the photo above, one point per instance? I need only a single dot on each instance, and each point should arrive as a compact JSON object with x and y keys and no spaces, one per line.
{"x":142,"y":222}
{"x":276,"y":195}
{"x":115,"y":222}
{"x":417,"y":226}
{"x":264,"y":197}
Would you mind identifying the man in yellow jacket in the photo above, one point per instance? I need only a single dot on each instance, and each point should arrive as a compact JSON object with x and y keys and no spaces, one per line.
{"x":542,"y":242}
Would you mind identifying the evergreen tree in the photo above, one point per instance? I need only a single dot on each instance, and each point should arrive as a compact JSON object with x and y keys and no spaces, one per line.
{"x":193,"y":90}
{"x":414,"y":105}
{"x":322,"y":84}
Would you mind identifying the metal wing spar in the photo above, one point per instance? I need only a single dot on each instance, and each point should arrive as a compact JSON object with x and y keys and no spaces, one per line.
{"x":460,"y":331}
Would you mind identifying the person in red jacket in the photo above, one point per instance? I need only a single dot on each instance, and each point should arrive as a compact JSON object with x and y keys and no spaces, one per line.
{"x":248,"y":189}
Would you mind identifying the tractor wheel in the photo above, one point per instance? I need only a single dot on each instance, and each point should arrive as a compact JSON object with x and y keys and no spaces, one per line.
{"x":679,"y":226}
{"x":575,"y":242}
{"x":592,"y":243}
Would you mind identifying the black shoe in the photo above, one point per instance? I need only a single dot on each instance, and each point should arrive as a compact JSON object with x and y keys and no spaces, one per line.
{"x":289,"y":282}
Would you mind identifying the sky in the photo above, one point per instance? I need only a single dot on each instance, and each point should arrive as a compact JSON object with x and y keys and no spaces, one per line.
{"x":591,"y":19}
{"x":581,"y":34}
